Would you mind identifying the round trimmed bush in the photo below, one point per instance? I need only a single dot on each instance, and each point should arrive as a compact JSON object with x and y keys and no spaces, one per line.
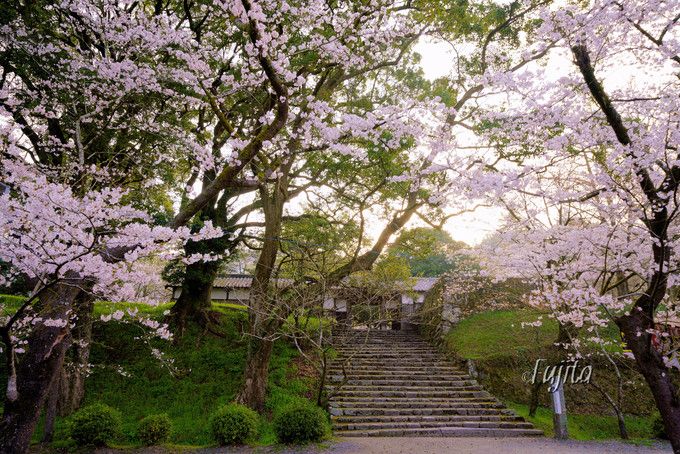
{"x":233,"y":424}
{"x":95,"y":424}
{"x":154,"y":429}
{"x":301,"y":424}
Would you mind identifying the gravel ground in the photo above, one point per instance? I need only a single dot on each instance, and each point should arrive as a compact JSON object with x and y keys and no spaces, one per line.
{"x":428,"y":445}
{"x":431,"y":445}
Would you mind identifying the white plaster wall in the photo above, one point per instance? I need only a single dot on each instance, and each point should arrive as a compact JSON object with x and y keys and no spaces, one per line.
{"x":239,"y":294}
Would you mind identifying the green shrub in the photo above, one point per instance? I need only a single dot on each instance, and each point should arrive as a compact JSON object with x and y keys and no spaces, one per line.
{"x":96,"y":425}
{"x":301,"y":424}
{"x":154,"y":429}
{"x":233,"y":424}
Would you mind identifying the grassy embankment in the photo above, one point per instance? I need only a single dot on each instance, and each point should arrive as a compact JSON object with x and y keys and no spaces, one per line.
{"x":502,"y":349}
{"x":201,"y":372}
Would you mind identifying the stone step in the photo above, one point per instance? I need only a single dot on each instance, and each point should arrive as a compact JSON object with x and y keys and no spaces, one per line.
{"x":391,"y":370}
{"x":442,"y":432}
{"x":373,"y":366}
{"x":400,"y":360}
{"x":416,"y":374}
{"x":385,"y":351}
{"x":396,"y":403}
{"x":396,"y":357}
{"x":400,"y":382}
{"x":375,"y":335}
{"x":358,"y":419}
{"x":385,"y":383}
{"x":382,"y":346}
{"x":417,"y":388}
{"x":410,"y":371}
{"x":491,"y":409}
{"x":426,"y":424}
{"x":411,"y":394}
{"x":382,"y":375}
{"x":381,"y":342}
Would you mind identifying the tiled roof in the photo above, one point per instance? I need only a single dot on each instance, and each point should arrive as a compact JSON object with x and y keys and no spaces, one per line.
{"x":420,"y":284}
{"x":415,"y":284}
{"x":243,"y":281}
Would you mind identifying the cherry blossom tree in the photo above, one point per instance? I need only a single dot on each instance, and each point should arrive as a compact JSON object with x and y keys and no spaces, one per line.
{"x":93,"y":100}
{"x":602,"y":110}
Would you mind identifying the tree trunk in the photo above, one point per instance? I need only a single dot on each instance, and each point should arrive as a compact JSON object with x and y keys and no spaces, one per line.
{"x":658,"y":377}
{"x":193,"y":304}
{"x":635,"y":325}
{"x":51,"y":411}
{"x":256,"y":374}
{"x":195,"y":300}
{"x":623,"y":431}
{"x":37,"y":370}
{"x":71,"y":380}
{"x":534,"y":400}
{"x":265,"y":314}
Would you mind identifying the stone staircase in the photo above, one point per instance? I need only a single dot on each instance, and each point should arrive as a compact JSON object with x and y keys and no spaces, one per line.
{"x":393,"y":383}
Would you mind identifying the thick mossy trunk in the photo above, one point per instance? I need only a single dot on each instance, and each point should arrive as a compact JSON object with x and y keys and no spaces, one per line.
{"x":68,"y":389}
{"x":254,"y":390}
{"x":76,"y":366}
{"x":37,"y":370}
{"x":193,"y":304}
{"x":266,"y":316}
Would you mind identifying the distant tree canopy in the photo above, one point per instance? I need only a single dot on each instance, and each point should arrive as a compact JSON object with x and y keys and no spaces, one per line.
{"x":429,"y":252}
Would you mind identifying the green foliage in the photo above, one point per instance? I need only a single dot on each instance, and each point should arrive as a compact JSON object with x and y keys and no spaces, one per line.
{"x":301,"y":424}
{"x":202,"y":372}
{"x":154,"y":429}
{"x":96,"y":424}
{"x":18,"y":285}
{"x":384,"y":275}
{"x":587,"y":426}
{"x":427,"y":251}
{"x":314,"y":245}
{"x":502,"y":351}
{"x":11,"y":301}
{"x":391,"y":269}
{"x":234,"y":424}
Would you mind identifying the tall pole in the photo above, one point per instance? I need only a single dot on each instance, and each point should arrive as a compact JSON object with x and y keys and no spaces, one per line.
{"x":559,"y":411}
